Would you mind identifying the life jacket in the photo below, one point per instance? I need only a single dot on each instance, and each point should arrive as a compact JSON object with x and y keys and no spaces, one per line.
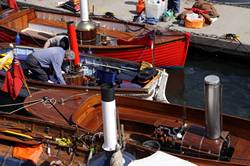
{"x":140,"y":6}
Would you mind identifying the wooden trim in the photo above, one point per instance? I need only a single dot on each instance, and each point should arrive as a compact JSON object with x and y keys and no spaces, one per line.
{"x":15,"y":15}
{"x":117,"y":34}
{"x":57,"y":24}
{"x":18,"y":20}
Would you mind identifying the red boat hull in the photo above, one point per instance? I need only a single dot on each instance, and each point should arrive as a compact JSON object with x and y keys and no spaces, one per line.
{"x":170,"y":49}
{"x":172,"y":54}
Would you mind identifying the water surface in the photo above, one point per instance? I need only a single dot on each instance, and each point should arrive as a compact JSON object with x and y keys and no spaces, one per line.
{"x":187,"y":84}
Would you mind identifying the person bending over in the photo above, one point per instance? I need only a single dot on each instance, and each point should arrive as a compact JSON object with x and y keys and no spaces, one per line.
{"x":58,"y":41}
{"x":47,"y":62}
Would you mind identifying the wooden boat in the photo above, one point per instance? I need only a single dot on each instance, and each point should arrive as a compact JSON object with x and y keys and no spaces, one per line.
{"x":152,"y":124}
{"x":23,"y":134}
{"x":122,"y":39}
{"x":59,"y":144}
{"x":128,"y":77}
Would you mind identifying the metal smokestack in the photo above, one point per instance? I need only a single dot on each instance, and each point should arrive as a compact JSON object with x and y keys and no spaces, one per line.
{"x":112,"y":155}
{"x":85,"y":30}
{"x":84,"y":10}
{"x":213,"y":105}
{"x":109,"y":117}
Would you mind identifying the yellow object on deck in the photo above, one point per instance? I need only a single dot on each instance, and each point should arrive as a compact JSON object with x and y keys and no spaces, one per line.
{"x":5,"y":61}
{"x":16,"y":134}
{"x":145,"y":65}
{"x":232,"y":36}
{"x":63,"y":141}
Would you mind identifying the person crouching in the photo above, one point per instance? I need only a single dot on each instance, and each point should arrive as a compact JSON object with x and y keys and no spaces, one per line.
{"x":47,"y":62}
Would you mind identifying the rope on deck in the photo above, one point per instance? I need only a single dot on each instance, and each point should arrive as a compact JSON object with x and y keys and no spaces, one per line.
{"x":26,"y":105}
{"x":21,"y":103}
{"x":116,"y":159}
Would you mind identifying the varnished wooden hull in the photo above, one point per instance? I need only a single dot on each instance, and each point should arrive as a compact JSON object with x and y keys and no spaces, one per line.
{"x":43,"y":134}
{"x":141,"y":118}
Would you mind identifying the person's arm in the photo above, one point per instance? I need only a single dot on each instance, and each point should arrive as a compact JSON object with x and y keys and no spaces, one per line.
{"x":58,"y":72}
{"x":51,"y":42}
{"x":47,"y":44}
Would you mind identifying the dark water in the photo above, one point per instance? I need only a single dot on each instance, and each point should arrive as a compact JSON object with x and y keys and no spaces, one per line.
{"x":186,"y":86}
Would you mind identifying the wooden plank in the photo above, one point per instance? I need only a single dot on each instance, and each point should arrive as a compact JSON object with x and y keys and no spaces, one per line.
{"x":31,"y":15}
{"x":116,"y":34}
{"x":58,"y":24}
{"x":242,"y":151}
{"x":15,"y":15}
{"x":19,"y":23}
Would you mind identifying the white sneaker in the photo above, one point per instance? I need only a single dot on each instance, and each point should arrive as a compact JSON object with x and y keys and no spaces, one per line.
{"x":51,"y":82}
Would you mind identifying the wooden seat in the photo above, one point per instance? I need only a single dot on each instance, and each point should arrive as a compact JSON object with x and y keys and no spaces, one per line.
{"x":127,"y":36}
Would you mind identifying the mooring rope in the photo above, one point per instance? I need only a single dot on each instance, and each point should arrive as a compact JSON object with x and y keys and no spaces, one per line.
{"x":66,"y":99}
{"x":25,"y":106}
{"x":21,"y":103}
{"x":52,"y":102}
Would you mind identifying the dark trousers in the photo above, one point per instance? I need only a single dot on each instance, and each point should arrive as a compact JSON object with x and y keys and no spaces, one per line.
{"x":174,"y":5}
{"x":34,"y":66}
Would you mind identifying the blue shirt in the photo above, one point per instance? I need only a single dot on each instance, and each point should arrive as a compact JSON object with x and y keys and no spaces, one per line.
{"x":51,"y":56}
